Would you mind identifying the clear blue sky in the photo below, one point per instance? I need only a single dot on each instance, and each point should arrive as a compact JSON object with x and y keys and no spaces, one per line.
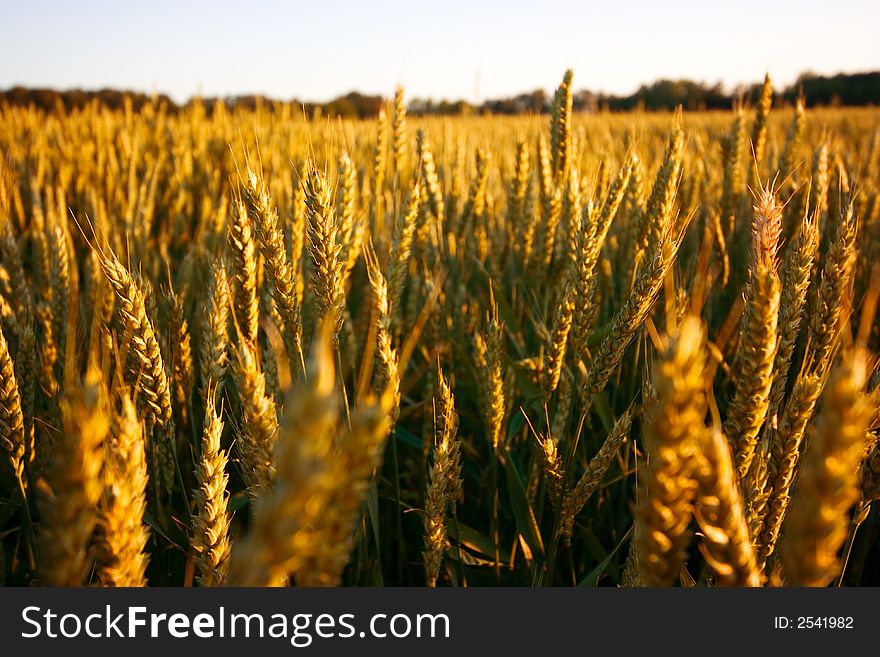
{"x":468,"y":49}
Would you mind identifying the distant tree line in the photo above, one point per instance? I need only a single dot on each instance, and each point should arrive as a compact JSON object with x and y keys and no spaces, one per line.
{"x":51,"y":99}
{"x":857,"y":89}
{"x":352,"y":105}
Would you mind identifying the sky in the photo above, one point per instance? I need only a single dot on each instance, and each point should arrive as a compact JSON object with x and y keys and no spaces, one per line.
{"x":451,"y":49}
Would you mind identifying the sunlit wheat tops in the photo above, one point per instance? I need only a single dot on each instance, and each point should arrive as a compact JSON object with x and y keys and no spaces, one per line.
{"x":759,"y":131}
{"x":183,"y":367}
{"x":628,"y":319}
{"x":20,"y":292}
{"x":588,"y":245}
{"x":282,"y":541}
{"x":787,"y":160}
{"x":592,"y":477}
{"x":387,"y":376}
{"x":351,"y":225}
{"x":214,"y":343}
{"x":444,"y":479}
{"x":327,"y":266}
{"x":489,"y":354}
{"x":398,"y":132}
{"x":719,"y":511}
{"x":560,"y":129}
{"x":74,"y":485}
{"x":659,"y":207}
{"x":402,"y":247}
{"x":520,"y":222}
{"x":832,"y":291}
{"x":380,"y":155}
{"x":59,"y":280}
{"x":359,"y":455}
{"x":828,"y":486}
{"x":279,"y":271}
{"x":11,"y":419}
{"x":242,"y":254}
{"x":211,"y":521}
{"x":674,"y":428}
{"x":551,"y":200}
{"x":758,"y":334}
{"x":243,"y":344}
{"x":258,"y":428}
{"x":784,"y":454}
{"x":146,"y":367}
{"x":431,"y":180}
{"x":122,"y":546}
{"x":554,"y":474}
{"x":733,"y":184}
{"x":556,"y":346}
{"x":797,"y":270}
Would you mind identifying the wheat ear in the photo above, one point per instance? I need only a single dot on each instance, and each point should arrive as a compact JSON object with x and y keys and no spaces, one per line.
{"x":827,"y":487}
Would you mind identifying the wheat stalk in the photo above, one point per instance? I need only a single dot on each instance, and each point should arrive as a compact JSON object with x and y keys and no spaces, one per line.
{"x":325,"y":251}
{"x":69,"y":507}
{"x":444,"y":479}
{"x":210,"y":535}
{"x":827,"y":488}
{"x":674,"y":428}
{"x":758,"y":335}
{"x":279,"y":271}
{"x":123,"y":534}
{"x":726,"y":544}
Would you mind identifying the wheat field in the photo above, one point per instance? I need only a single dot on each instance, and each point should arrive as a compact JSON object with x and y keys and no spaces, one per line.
{"x":253,"y":348}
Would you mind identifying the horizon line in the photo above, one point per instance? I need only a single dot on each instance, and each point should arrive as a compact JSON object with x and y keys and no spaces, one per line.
{"x":729,"y":88}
